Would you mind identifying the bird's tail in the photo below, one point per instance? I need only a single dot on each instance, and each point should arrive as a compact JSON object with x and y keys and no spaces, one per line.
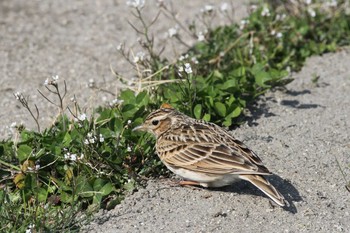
{"x":264,"y":185}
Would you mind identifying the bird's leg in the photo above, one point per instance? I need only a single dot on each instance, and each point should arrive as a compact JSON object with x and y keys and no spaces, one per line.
{"x":188,"y":183}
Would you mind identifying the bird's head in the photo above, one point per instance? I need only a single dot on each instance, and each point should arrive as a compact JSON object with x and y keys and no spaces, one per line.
{"x":159,"y":121}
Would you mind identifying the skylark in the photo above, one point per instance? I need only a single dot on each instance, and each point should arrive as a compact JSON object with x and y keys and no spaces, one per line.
{"x":205,"y":154}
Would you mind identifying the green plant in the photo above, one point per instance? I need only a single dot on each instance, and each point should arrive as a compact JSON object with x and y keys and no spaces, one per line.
{"x":81,"y":164}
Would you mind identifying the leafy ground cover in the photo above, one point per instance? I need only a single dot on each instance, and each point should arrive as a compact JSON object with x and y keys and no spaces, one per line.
{"x":81,"y":164}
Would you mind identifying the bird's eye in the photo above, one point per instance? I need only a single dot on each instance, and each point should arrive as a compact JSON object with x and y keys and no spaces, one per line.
{"x":155,"y":122}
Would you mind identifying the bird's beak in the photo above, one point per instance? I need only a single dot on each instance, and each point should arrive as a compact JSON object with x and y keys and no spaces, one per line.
{"x":139,"y":128}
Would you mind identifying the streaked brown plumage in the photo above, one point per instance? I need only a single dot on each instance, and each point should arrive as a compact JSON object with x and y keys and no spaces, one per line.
{"x":204,"y":153}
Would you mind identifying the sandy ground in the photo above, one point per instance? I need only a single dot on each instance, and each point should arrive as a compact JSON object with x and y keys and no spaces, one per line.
{"x":299,"y":132}
{"x":77,"y":40}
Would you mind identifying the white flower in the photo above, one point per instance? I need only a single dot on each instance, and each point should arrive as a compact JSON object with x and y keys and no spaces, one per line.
{"x":91,"y":83}
{"x":37,"y":167}
{"x":81,"y":156}
{"x":139,"y":57}
{"x":82,"y":117}
{"x":73,"y":157}
{"x":181,"y":58}
{"x":136,"y":3}
{"x":53,"y":80}
{"x":120,"y":47}
{"x":207,"y":9}
{"x":128,"y":149}
{"x":308,"y":2}
{"x":273,"y":32}
{"x":194,"y":60}
{"x":188,"y":68}
{"x":172,"y":31}
{"x":129,"y":122}
{"x":116,"y":102}
{"x":243,"y":23}
{"x":67,"y":156}
{"x":279,"y":35}
{"x":92,"y":140}
{"x":253,"y":7}
{"x":19,"y":96}
{"x":101,"y":138}
{"x":224,"y":7}
{"x":29,"y":228}
{"x":311,"y":12}
{"x":200,"y":36}
{"x":181,"y":69}
{"x":265,"y":11}
{"x":332,"y":3}
{"x":280,"y":17}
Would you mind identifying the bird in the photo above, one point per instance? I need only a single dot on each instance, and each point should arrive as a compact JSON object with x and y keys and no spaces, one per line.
{"x":205,"y":154}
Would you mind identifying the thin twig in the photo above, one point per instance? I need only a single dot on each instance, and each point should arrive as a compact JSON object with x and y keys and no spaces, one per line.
{"x":47,"y":98}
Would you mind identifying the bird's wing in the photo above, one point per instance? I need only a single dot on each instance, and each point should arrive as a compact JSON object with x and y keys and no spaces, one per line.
{"x":200,"y":148}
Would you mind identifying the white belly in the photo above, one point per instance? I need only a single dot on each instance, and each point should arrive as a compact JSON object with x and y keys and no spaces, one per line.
{"x":205,"y":180}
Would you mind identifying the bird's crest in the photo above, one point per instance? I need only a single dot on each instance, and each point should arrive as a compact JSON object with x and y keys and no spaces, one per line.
{"x":166,"y":105}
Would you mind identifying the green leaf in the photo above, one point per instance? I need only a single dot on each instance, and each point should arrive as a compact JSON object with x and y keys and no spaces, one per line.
{"x":261,"y":78}
{"x":217,"y":74}
{"x":235,"y":113}
{"x":42,"y":194}
{"x":23,"y":152}
{"x":99,"y":183}
{"x":67,"y":140}
{"x":229,"y":84}
{"x":107,"y":189}
{"x":227,"y":122}
{"x":66,"y":197}
{"x":220,"y":109}
{"x":97,"y":199}
{"x":84,"y":188}
{"x":105,"y":114}
{"x":118,"y":125}
{"x":206,"y":117}
{"x":171,"y":96}
{"x":142,"y":98}
{"x":210,"y":100}
{"x":129,"y":110}
{"x":197,"y":111}
{"x":230,"y":101}
{"x":257,"y":68}
{"x":128,"y":96}
{"x":128,"y":107}
{"x":130,"y":185}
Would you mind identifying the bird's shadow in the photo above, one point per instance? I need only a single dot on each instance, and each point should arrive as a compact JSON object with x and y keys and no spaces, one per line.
{"x":290,"y":193}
